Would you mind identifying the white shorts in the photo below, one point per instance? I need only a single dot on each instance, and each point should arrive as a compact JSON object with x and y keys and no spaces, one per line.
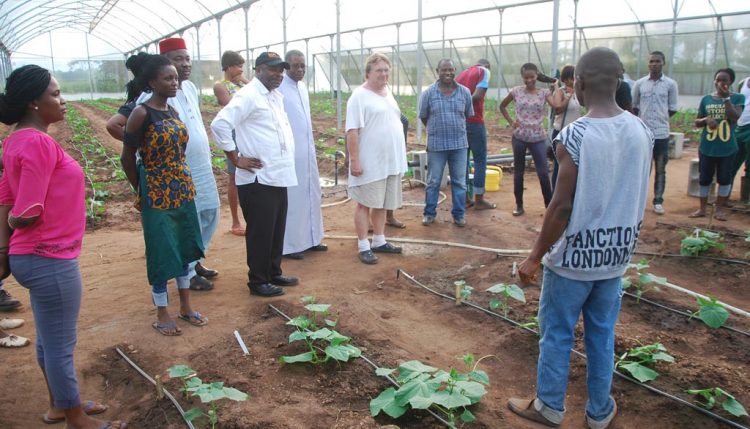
{"x":381,"y":194}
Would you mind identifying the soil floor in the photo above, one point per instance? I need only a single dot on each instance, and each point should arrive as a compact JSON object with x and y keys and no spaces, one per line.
{"x":392,"y":320}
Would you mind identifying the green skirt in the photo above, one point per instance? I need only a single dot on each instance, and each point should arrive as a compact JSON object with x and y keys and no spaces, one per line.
{"x":172,"y":236}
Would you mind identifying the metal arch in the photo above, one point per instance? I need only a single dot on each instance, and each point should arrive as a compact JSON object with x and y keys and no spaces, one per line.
{"x":20,"y":25}
{"x":129,"y":29}
{"x":167,"y":23}
{"x":20,"y":33}
{"x":78,"y":26}
{"x":35,"y":17}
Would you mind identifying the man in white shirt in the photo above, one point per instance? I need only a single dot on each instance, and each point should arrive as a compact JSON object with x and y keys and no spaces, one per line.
{"x":198,"y":155}
{"x":304,"y":219}
{"x":265,"y":168}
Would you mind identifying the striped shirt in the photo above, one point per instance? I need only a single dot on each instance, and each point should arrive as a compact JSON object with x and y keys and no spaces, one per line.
{"x":446,"y":117}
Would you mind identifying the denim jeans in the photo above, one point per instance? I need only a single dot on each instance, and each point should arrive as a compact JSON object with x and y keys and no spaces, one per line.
{"x":159,"y":294}
{"x":539,"y":155}
{"x":209,"y":221}
{"x":477,"y":136}
{"x":55,"y":287}
{"x":561,"y":303}
{"x":456,"y":160}
{"x":661,"y":156}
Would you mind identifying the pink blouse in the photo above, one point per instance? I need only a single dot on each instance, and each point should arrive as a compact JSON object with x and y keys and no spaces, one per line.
{"x":530,"y":111}
{"x":40,"y":179}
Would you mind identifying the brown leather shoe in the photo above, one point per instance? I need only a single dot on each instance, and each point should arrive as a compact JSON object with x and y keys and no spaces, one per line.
{"x":525,"y":408}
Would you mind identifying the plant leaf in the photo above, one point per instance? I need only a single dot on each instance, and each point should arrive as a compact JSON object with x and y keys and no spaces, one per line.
{"x":340,"y":353}
{"x":467,"y":417}
{"x":180,"y":371}
{"x":639,"y":372}
{"x":193,"y":414}
{"x":713,"y":315}
{"x":468,"y":359}
{"x":411,"y":369}
{"x":234,"y":394}
{"x":450,"y":399}
{"x":386,"y":402}
{"x":308,"y":299}
{"x":331,"y":323}
{"x":301,"y":322}
{"x":421,"y":385}
{"x":645,"y":278}
{"x":516,"y":293}
{"x":480,"y":376}
{"x":471,"y":389}
{"x":318,"y":308}
{"x":733,"y":407}
{"x":494,"y":303}
{"x":297,"y":335}
{"x":302,"y":357}
{"x":193,"y":383}
{"x":420,"y":402}
{"x":320,"y":334}
{"x":384,"y":371}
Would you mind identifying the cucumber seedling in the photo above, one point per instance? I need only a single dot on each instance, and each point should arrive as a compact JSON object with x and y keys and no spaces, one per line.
{"x":323,"y":342}
{"x":717,"y":395}
{"x":505,"y":292}
{"x":635,"y":360}
{"x":699,"y":242}
{"x":422,"y":387}
{"x":642,"y":282}
{"x":711,"y":312}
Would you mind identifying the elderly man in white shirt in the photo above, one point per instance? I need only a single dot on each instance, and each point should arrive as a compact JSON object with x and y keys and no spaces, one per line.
{"x":265,"y":168}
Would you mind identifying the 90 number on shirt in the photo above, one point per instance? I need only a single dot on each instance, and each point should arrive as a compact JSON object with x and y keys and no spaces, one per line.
{"x":722,"y":131}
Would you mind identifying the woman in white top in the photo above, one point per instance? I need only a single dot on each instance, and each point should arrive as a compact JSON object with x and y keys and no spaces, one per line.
{"x":567,"y":109}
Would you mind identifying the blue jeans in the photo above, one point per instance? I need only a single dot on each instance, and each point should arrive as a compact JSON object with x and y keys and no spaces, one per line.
{"x":477,"y":136}
{"x":436,"y":161}
{"x":159,"y":291}
{"x":209,"y":221}
{"x":539,"y":155}
{"x":661,"y":156}
{"x":55,"y":288}
{"x":561,"y":303}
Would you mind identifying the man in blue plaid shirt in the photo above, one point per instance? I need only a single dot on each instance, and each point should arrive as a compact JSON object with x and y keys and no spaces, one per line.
{"x":443,"y":108}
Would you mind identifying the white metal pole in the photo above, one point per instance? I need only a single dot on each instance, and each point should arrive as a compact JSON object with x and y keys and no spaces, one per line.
{"x":248,"y":59}
{"x":283,"y":20}
{"x":555,"y":28}
{"x":674,"y":34}
{"x":51,"y":52}
{"x":198,"y":58}
{"x":218,"y":29}
{"x":419,"y":66}
{"x":397,"y":61}
{"x":88,"y":61}
{"x":575,"y":29}
{"x":499,"y":72}
{"x":338,"y":64}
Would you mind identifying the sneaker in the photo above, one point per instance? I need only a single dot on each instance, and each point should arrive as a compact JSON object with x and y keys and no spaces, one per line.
{"x":14,"y":341}
{"x":527,"y":409}
{"x":367,"y":257}
{"x":7,"y":302}
{"x":387,"y":248}
{"x":427,"y":220}
{"x":459,"y":222}
{"x":10,"y":323}
{"x":659,"y":209}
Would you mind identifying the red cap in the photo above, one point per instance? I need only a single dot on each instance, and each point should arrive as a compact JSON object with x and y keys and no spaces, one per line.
{"x":171,"y":44}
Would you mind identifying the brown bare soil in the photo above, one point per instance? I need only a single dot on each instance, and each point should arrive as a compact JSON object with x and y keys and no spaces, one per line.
{"x":390,"y":320}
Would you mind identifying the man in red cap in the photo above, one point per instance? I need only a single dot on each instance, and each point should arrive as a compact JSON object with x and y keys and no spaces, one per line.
{"x":198,"y":154}
{"x":265,"y":168}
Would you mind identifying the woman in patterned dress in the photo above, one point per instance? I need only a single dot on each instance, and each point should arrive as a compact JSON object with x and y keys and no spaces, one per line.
{"x":528,"y":131}
{"x":165,"y":191}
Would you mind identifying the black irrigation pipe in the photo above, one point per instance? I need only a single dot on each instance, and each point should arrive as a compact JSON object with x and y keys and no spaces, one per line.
{"x":374,"y":366}
{"x":617,"y":373}
{"x":708,"y":258}
{"x":684,"y":313}
{"x":152,"y":381}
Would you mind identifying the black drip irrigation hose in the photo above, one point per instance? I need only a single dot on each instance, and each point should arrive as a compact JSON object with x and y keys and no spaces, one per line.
{"x":684,"y":313}
{"x":617,"y":373}
{"x":708,"y":258}
{"x":374,"y":366}
{"x":152,"y":381}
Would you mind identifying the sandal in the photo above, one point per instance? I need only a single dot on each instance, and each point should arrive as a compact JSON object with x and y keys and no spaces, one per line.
{"x":12,"y":341}
{"x":91,"y":408}
{"x":395,"y":223}
{"x":238,"y":231}
{"x":697,"y":213}
{"x":164,"y":329}
{"x":194,"y":319}
{"x":720,"y":215}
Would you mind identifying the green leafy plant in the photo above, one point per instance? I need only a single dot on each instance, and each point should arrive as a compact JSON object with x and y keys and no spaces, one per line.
{"x":209,"y":393}
{"x":463,"y":290}
{"x":505,"y":292}
{"x":533,"y":324}
{"x":422,"y":386}
{"x":323,"y":342}
{"x":711,"y":312}
{"x":635,"y":361}
{"x":699,"y":242}
{"x":716,"y":395}
{"x":642,"y":282}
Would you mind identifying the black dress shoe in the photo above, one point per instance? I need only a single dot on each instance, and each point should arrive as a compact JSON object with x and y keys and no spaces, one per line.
{"x":387,"y":248}
{"x":319,"y":248}
{"x":200,"y":283}
{"x":205,"y":272}
{"x":296,"y":255}
{"x":285,"y":281}
{"x":7,"y":302}
{"x":367,"y":257}
{"x":266,"y":290}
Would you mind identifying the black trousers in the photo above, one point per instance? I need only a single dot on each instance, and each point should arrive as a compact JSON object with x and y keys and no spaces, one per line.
{"x":264,"y":209}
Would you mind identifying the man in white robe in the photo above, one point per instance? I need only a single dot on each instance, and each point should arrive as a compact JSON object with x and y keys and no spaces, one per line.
{"x":304,"y":221}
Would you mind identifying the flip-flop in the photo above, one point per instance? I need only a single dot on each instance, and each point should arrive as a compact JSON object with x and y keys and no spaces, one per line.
{"x":91,"y":408}
{"x":238,"y":231}
{"x":194,"y":319}
{"x":162,"y":329}
{"x":395,"y":223}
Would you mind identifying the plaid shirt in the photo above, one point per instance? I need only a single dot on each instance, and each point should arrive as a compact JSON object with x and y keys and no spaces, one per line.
{"x":446,"y":117}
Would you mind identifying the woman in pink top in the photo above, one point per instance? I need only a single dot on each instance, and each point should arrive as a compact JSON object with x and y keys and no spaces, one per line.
{"x":528,"y":131}
{"x":43,"y":221}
